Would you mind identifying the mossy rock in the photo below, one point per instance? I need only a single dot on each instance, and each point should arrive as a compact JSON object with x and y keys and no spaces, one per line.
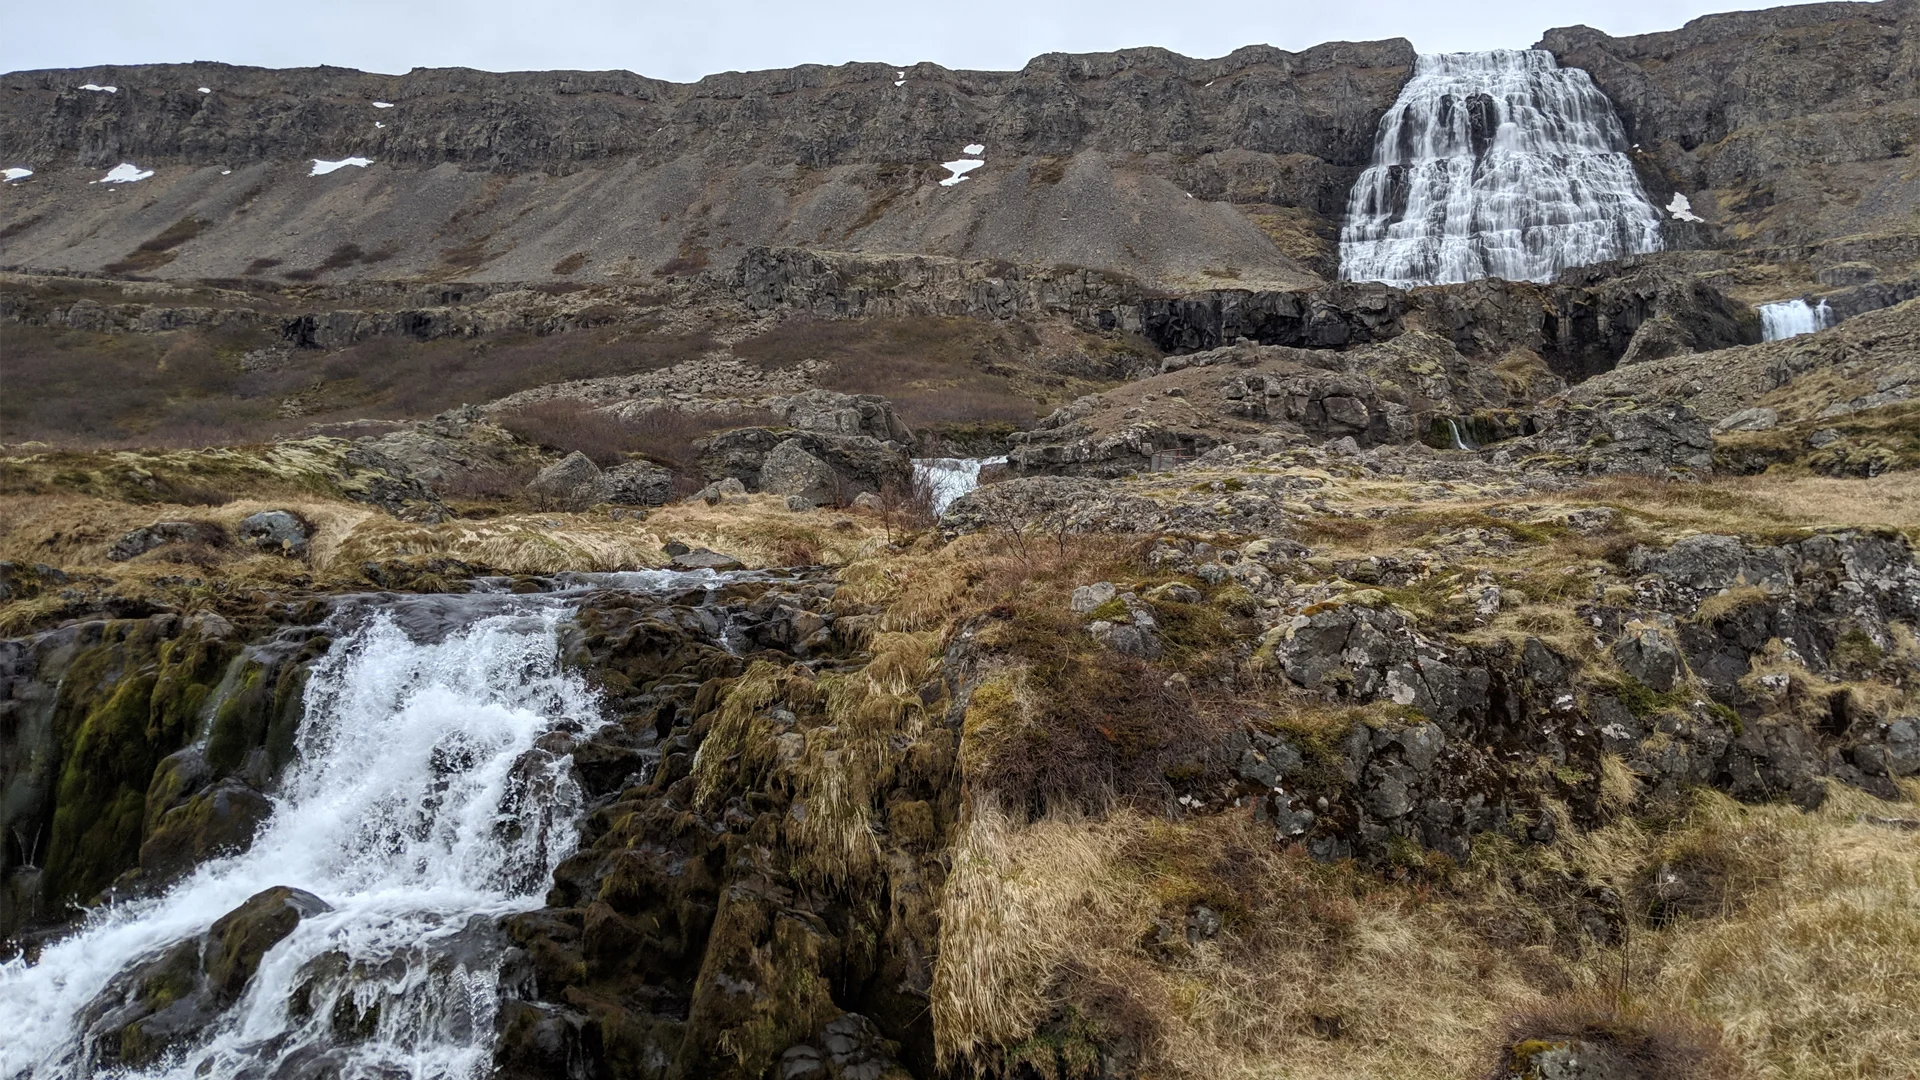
{"x":240,"y":938}
{"x":127,"y":702}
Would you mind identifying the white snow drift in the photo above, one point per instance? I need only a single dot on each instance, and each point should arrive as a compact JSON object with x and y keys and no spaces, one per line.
{"x":124,"y":173}
{"x":322,"y":168}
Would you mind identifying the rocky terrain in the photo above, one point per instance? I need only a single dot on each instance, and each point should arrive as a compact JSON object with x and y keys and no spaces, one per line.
{"x":1502,"y":679}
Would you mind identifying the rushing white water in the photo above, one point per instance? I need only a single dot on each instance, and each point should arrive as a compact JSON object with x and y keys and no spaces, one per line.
{"x":1495,"y":164}
{"x":951,"y":478}
{"x":419,"y":803}
{"x":1791,"y":318}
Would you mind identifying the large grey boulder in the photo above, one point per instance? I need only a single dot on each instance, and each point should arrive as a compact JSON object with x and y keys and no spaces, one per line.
{"x":789,"y":470}
{"x":278,"y":531}
{"x":636,"y":483}
{"x":833,"y":413}
{"x":721,"y":490}
{"x":858,"y":462}
{"x":573,"y":481}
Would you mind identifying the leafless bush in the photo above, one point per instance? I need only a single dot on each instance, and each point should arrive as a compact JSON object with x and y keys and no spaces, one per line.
{"x":487,"y":483}
{"x":907,"y":505}
{"x":566,"y":425}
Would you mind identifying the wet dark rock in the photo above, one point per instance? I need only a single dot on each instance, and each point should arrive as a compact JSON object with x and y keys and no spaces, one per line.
{"x":163,"y":533}
{"x":157,"y":1006}
{"x":237,"y":940}
{"x":219,"y":820}
{"x":281,"y":532}
{"x":702,"y":559}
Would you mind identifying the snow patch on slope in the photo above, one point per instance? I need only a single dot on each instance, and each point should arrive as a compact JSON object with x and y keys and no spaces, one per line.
{"x":322,"y":168}
{"x":124,"y":173}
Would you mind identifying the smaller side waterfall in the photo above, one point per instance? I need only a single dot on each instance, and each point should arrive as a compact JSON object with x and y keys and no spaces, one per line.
{"x":433,"y":793}
{"x":1791,"y":318}
{"x":951,"y":478}
{"x":1459,"y":443}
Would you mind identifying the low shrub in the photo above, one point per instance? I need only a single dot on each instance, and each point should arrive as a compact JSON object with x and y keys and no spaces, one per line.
{"x":664,"y":435}
{"x":1619,"y":1039}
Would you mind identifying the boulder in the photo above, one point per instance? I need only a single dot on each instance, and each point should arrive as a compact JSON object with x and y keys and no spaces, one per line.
{"x":726,"y":488}
{"x":162,"y":533}
{"x":1088,"y":597}
{"x":278,"y":531}
{"x":702,"y":559}
{"x":1650,"y":657}
{"x":856,"y":462}
{"x":239,"y":939}
{"x":790,"y":470}
{"x":636,"y":483}
{"x":572,"y":482}
{"x":155,"y":1007}
{"x":835,"y":413}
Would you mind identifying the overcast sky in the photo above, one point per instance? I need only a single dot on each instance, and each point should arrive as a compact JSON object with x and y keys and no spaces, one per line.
{"x":686,"y":39}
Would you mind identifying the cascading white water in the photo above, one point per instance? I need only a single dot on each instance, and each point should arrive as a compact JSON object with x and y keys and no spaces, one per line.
{"x":1495,"y":164}
{"x":951,"y":478}
{"x":419,"y":802}
{"x":1791,"y":318}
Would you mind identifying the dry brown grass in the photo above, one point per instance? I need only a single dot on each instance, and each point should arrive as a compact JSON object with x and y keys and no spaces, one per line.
{"x":1323,"y":972}
{"x":760,"y":532}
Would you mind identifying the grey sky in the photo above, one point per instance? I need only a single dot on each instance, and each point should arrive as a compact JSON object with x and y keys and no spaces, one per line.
{"x":687,"y":39}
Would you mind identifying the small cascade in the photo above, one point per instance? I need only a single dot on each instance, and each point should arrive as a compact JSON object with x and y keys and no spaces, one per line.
{"x":950,"y":478}
{"x":1791,"y":318}
{"x":431,"y":794}
{"x":1495,"y":164}
{"x":1459,"y":441}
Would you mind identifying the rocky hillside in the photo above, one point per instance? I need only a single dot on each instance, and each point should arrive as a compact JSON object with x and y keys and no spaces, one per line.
{"x":1142,"y":161}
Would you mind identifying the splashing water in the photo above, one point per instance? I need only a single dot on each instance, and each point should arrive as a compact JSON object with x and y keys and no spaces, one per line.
{"x":420,"y":808}
{"x":951,"y":478}
{"x":1791,"y":318}
{"x":1495,"y":164}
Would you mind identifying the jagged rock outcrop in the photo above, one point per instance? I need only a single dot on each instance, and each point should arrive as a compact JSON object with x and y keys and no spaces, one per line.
{"x":836,"y":448}
{"x":1865,"y":363}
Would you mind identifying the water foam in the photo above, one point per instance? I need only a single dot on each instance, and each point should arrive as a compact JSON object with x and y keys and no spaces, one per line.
{"x":1791,"y":318}
{"x":1495,"y":164}
{"x":950,"y":478}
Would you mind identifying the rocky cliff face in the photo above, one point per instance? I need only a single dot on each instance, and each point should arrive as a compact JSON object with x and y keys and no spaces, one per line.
{"x":1785,"y":126}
